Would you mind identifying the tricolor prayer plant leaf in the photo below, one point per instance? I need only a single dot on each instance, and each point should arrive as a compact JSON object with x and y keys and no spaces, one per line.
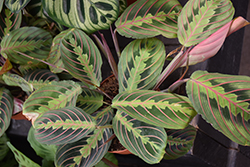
{"x":179,"y":142}
{"x":201,"y":18}
{"x":6,"y":109}
{"x":166,"y":110}
{"x":140,"y":64}
{"x":40,"y":77}
{"x":81,"y":57}
{"x":222,"y":100}
{"x":210,"y":46}
{"x":25,"y":45}
{"x":89,"y":100}
{"x":53,"y":96}
{"x":90,"y":16}
{"x":3,"y":146}
{"x":9,"y":21}
{"x":16,"y":5}
{"x":146,"y":18}
{"x":65,"y":125}
{"x":85,"y":152}
{"x":144,"y":140}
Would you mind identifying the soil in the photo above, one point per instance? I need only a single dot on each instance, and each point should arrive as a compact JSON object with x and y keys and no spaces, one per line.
{"x":111,"y":87}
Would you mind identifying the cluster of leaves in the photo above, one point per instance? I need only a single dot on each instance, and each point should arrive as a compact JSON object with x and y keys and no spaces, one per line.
{"x":70,"y":126}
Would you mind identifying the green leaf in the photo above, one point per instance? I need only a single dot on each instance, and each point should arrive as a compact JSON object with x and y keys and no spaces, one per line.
{"x":104,"y":116}
{"x":21,"y":158}
{"x":16,"y":80}
{"x":16,"y":5}
{"x":85,"y":152}
{"x":1,"y":5}
{"x":201,"y":18}
{"x":9,"y":22}
{"x":45,"y":151}
{"x":90,"y":16}
{"x":144,"y":140}
{"x":53,"y":96}
{"x":3,"y":146}
{"x":6,"y":109}
{"x":65,"y":125}
{"x":179,"y":142}
{"x":166,"y":110}
{"x":89,"y":100}
{"x":140,"y":64}
{"x":25,"y":68}
{"x":24,"y":45}
{"x":55,"y":54}
{"x":40,"y":77}
{"x":81,"y":57}
{"x":222,"y":100}
{"x":122,"y":6}
{"x":145,"y":19}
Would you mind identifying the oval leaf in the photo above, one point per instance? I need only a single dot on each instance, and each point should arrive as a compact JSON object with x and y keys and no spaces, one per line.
{"x":45,"y":151}
{"x":81,"y":57}
{"x":140,"y":64}
{"x":104,"y":116}
{"x":40,"y":77}
{"x":55,"y":54}
{"x":210,"y":46}
{"x":200,"y":18}
{"x":144,"y":140}
{"x":179,"y":142}
{"x":24,"y":45}
{"x":6,"y":109}
{"x":85,"y":152}
{"x":3,"y":146}
{"x":65,"y":125}
{"x":16,"y":5}
{"x":50,"y":97}
{"x":90,"y":16}
{"x":149,"y":18}
{"x":9,"y":22}
{"x":160,"y":109}
{"x":21,"y":158}
{"x":89,"y":100}
{"x":16,"y":80}
{"x":223,"y":100}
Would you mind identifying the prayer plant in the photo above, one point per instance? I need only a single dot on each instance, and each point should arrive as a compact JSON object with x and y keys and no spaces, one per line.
{"x":49,"y":50}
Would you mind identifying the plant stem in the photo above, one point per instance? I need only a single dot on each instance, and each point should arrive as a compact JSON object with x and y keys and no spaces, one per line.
{"x":114,"y":37}
{"x":109,"y":163}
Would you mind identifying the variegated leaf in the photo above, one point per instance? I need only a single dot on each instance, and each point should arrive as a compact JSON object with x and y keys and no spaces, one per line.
{"x":89,"y":100}
{"x":21,"y":158}
{"x":3,"y":146}
{"x":45,"y":151}
{"x":122,"y":5}
{"x":104,"y":116}
{"x":86,"y":152}
{"x":200,"y":18}
{"x":16,"y":5}
{"x":140,"y":64}
{"x":65,"y":125}
{"x":6,"y":109}
{"x":81,"y":57}
{"x":166,"y":110}
{"x":1,"y":5}
{"x":16,"y":80}
{"x":55,"y":54}
{"x":90,"y":16}
{"x":223,"y":100}
{"x":147,"y":18}
{"x":40,"y":77}
{"x":9,"y":21}
{"x":179,"y":142}
{"x":144,"y":140}
{"x":50,"y":97}
{"x":24,"y":45}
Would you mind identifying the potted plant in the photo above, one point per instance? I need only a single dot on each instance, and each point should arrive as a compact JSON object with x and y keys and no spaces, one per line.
{"x":58,"y":66}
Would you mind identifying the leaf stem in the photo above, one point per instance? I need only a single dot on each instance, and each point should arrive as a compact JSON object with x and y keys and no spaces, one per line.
{"x":114,"y":37}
